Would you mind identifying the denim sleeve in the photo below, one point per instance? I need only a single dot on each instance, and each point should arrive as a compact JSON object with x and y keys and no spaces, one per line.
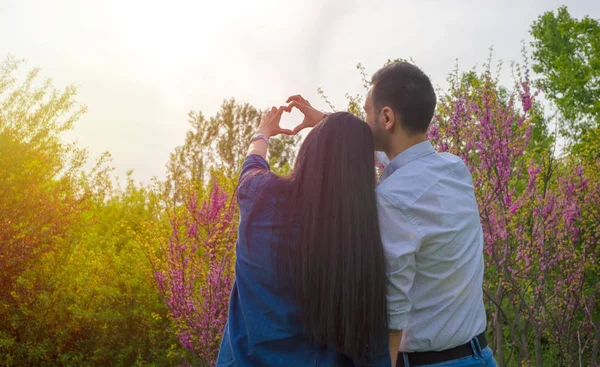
{"x":253,"y":164}
{"x":401,"y":240}
{"x":255,"y":171}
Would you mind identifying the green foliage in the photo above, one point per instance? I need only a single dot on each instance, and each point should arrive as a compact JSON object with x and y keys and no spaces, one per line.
{"x":221,"y":142}
{"x":39,"y":198}
{"x":76,"y":289}
{"x":94,"y":301}
{"x":566,"y":52}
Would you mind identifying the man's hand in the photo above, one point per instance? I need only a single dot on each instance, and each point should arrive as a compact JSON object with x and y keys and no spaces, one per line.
{"x":311,"y":116}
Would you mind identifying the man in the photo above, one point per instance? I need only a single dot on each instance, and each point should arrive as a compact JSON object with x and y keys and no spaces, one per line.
{"x":430,"y":227}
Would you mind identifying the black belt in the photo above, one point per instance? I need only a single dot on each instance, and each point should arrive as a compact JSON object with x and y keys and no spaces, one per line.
{"x":424,"y":358}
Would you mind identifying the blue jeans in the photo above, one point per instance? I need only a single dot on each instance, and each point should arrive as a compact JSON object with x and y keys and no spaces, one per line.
{"x":483,"y":359}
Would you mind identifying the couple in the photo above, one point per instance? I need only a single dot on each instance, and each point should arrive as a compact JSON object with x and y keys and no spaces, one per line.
{"x":333,"y":269}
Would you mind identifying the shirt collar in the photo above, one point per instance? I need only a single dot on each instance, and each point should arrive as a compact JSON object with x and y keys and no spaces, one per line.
{"x":413,"y":153}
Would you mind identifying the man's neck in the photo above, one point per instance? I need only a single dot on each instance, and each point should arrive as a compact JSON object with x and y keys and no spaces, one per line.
{"x":403,"y":143}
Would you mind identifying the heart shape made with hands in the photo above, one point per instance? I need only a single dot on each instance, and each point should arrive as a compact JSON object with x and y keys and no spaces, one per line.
{"x":271,"y":123}
{"x":311,"y":115}
{"x":291,"y":119}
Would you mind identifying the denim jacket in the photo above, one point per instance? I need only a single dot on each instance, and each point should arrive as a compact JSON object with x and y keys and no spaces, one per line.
{"x":264,"y":326}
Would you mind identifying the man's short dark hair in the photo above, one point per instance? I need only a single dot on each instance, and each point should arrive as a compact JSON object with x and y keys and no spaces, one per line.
{"x":408,"y":92}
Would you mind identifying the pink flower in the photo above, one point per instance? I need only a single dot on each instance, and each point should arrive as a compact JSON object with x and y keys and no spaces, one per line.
{"x":196,"y":284}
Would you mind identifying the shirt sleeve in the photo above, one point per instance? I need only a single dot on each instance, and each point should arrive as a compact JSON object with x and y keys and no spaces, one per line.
{"x":401,"y":240}
{"x":252,"y":164}
{"x":255,"y":172}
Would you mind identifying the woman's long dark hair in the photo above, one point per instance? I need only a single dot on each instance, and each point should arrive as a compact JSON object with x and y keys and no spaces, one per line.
{"x":336,"y":258}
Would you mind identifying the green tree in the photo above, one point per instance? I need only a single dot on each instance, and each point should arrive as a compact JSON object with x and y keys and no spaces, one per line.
{"x":40,"y":198}
{"x":93,"y":300}
{"x":221,"y":142}
{"x":566,"y":54}
{"x":75,"y":286}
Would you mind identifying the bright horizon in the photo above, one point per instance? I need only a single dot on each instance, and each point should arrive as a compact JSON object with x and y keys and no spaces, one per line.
{"x":141,"y":66}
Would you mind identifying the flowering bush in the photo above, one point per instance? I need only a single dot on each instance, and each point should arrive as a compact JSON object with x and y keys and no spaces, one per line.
{"x":198,"y":272}
{"x":541,"y":254}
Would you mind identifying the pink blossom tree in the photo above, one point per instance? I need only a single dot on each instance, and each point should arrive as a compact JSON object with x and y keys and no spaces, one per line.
{"x":532,"y":207}
{"x":198,"y":274}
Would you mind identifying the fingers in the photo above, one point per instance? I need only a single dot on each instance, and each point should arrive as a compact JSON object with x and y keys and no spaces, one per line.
{"x":273,"y":117}
{"x":272,"y":113}
{"x":299,"y":105}
{"x":286,"y":132}
{"x":297,"y":98}
{"x":279,"y":112}
{"x":299,"y":128}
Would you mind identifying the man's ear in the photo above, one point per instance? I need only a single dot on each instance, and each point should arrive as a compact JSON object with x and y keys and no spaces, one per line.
{"x":389,"y":118}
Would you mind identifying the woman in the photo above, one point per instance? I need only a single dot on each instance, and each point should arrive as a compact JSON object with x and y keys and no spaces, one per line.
{"x":310,"y":286}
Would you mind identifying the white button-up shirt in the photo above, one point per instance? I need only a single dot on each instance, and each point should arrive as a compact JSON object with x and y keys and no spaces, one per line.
{"x":433,"y":242}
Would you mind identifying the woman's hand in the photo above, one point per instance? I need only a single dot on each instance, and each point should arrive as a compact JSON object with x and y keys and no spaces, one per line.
{"x":269,"y":126}
{"x":311,"y":116}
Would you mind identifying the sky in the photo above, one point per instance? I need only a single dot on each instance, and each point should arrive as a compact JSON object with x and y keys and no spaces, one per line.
{"x":142,"y":65}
